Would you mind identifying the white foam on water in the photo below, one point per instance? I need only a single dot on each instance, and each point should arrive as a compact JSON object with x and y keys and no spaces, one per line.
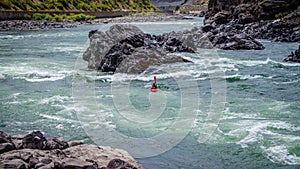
{"x":261,"y":62}
{"x":280,"y":154}
{"x":35,"y":74}
{"x":16,"y":102}
{"x":12,"y":37}
{"x":67,"y":48}
{"x":289,"y":82}
{"x":57,"y":118}
{"x":45,"y":79}
{"x":55,"y":99}
{"x":16,"y":37}
{"x":227,"y":114}
{"x":2,"y":76}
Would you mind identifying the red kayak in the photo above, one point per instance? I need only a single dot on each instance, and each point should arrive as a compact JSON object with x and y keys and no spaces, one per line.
{"x":153,"y":89}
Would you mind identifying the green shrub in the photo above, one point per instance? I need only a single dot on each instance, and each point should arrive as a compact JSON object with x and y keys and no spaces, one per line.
{"x":48,"y":17}
{"x":38,"y":16}
{"x":19,"y":4}
{"x":83,"y":6}
{"x":104,"y":5}
{"x":93,"y":6}
{"x":26,"y":16}
{"x":279,"y":15}
{"x":5,"y":4}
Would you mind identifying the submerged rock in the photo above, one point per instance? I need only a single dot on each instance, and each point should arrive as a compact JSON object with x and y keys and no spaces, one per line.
{"x":57,"y":153}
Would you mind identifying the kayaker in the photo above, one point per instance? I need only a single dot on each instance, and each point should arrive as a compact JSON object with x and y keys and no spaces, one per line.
{"x":154,"y":86}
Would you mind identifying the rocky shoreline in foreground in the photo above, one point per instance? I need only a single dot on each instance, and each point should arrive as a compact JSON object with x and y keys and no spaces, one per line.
{"x":35,"y":151}
{"x":15,"y":25}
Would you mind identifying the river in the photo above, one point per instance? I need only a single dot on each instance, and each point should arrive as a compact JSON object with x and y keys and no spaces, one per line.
{"x":227,"y":109}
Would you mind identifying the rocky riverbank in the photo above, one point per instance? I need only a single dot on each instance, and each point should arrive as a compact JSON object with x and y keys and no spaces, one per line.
{"x":35,"y":151}
{"x":11,"y":25}
{"x":271,"y":19}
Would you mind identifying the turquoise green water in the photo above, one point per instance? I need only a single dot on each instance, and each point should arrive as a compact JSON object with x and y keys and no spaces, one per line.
{"x":44,"y":86}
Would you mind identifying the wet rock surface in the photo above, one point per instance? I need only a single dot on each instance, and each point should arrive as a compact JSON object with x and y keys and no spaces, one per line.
{"x":294,"y":56}
{"x":38,"y":152}
{"x":126,"y":49}
{"x":276,"y":20}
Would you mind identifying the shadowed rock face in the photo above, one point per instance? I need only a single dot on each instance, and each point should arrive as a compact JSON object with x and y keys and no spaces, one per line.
{"x":126,"y":49}
{"x":35,"y":151}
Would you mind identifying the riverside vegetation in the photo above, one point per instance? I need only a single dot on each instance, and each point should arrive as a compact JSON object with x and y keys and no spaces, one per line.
{"x":75,"y":5}
{"x":42,"y":14}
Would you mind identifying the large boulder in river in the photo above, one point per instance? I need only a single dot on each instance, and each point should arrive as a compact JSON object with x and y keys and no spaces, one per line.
{"x":57,"y":153}
{"x":126,"y":49}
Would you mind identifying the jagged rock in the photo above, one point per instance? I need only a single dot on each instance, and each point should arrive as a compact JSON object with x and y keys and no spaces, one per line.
{"x":110,"y":50}
{"x":4,"y":138}
{"x":275,"y":20}
{"x":119,"y":164}
{"x":6,"y":143}
{"x":13,"y":164}
{"x":129,"y":50}
{"x":294,"y":56}
{"x":100,"y":154}
{"x":5,"y":147}
{"x":17,"y":140}
{"x":56,"y":143}
{"x":102,"y":42}
{"x":34,"y":140}
{"x":219,"y":37}
{"x":207,"y":28}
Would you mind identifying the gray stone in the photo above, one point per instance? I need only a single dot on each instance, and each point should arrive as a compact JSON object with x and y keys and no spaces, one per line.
{"x":72,"y":163}
{"x":56,"y":143}
{"x":5,"y":147}
{"x":74,"y":143}
{"x":13,"y":164}
{"x":126,"y":49}
{"x":34,"y":140}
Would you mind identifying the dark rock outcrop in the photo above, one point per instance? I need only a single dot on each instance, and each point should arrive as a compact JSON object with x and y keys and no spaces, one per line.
{"x":126,"y":49}
{"x":247,"y":11}
{"x":276,"y":20}
{"x":34,"y":140}
{"x":294,"y":56}
{"x":38,"y":152}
